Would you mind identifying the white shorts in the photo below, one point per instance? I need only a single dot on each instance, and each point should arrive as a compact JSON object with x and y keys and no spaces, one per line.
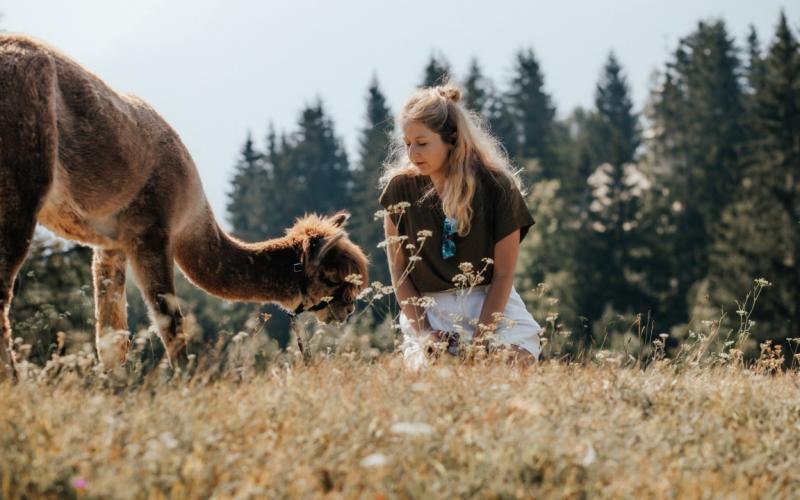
{"x":455,"y":311}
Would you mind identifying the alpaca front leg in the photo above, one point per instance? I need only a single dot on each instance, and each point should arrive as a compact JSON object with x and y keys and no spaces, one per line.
{"x":154,"y":272}
{"x":15,"y":240}
{"x":7,"y":368}
{"x":110,"y":306}
{"x":170,"y":324}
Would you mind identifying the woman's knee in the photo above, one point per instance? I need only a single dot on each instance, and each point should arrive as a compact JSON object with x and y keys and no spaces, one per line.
{"x":520,"y":356}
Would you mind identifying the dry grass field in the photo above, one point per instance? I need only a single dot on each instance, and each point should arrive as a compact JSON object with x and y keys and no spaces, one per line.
{"x":355,"y":425}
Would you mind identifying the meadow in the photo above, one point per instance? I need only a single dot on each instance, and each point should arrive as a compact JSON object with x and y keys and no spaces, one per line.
{"x":670,"y":208}
{"x":245,"y":420}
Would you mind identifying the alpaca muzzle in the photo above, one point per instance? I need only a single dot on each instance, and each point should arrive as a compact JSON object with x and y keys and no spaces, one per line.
{"x":338,"y":294}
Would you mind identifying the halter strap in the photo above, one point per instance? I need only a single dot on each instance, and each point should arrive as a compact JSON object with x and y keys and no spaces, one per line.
{"x":299,"y":268}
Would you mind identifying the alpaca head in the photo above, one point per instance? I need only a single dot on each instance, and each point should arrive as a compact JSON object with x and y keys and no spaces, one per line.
{"x":335,"y":268}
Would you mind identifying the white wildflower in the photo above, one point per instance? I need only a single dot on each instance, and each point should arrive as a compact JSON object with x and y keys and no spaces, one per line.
{"x":589,"y":457}
{"x":374,"y":460}
{"x":169,"y":440}
{"x":444,"y":373}
{"x":412,"y":428}
{"x":465,"y":267}
{"x":423,"y":301}
{"x":364,"y":293}
{"x":398,"y":207}
{"x":355,"y":279}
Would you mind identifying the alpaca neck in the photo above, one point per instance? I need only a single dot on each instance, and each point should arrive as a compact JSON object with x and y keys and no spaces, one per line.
{"x":234,"y":270}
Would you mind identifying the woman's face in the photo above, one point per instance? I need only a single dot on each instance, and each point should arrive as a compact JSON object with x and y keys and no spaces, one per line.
{"x":426,"y":149}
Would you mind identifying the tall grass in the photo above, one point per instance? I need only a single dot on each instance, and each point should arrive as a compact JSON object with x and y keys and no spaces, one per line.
{"x":348,"y":424}
{"x":649,"y":417}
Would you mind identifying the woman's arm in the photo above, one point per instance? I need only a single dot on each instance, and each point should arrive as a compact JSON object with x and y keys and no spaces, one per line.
{"x":505,"y":258}
{"x":405,"y":290}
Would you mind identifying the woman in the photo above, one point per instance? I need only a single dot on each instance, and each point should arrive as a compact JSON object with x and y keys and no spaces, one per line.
{"x":455,"y":216}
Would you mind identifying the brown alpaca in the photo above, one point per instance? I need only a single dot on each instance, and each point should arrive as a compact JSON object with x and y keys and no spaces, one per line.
{"x":105,"y":169}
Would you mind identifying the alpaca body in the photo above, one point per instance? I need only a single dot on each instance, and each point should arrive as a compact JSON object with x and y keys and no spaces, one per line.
{"x":103,"y":168}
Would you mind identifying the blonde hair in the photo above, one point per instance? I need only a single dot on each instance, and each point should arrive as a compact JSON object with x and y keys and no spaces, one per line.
{"x":440,"y":110}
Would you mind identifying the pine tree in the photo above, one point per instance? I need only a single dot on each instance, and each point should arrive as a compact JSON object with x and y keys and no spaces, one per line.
{"x":245,"y":201}
{"x":373,"y":149}
{"x":754,"y":69}
{"x":534,"y":113}
{"x":315,"y":163}
{"x":575,"y":152}
{"x":698,"y":128}
{"x":617,"y":136}
{"x":609,"y":233}
{"x":284,"y":198}
{"x":255,"y":194}
{"x":707,"y":68}
{"x":759,"y":236}
{"x":502,"y":122}
{"x":476,"y":89}
{"x":437,"y":71}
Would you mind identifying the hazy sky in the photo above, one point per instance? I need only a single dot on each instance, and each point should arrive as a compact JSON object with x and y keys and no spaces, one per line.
{"x":215,"y":69}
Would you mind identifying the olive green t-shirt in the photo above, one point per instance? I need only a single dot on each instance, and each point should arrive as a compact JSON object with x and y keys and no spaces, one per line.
{"x":498,"y":209}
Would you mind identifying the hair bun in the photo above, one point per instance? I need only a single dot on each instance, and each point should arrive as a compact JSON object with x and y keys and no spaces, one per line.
{"x":450,"y":92}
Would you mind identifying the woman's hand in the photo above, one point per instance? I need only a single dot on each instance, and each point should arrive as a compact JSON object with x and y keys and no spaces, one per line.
{"x":431,"y":343}
{"x":435,"y":340}
{"x":435,"y":335}
{"x":505,"y":259}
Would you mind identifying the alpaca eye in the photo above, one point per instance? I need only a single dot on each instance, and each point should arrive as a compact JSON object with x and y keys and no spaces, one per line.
{"x":328,"y":281}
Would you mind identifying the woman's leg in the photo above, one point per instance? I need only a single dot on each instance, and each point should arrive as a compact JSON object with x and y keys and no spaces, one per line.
{"x":519,"y":332}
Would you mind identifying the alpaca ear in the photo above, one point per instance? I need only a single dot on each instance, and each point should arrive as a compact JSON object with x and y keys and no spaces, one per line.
{"x":315,"y":249}
{"x":325,"y":245}
{"x":340,"y":217}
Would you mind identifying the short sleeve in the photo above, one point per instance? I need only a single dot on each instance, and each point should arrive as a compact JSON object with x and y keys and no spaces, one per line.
{"x":389,"y":195}
{"x":392,"y":194}
{"x":511,"y":212}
